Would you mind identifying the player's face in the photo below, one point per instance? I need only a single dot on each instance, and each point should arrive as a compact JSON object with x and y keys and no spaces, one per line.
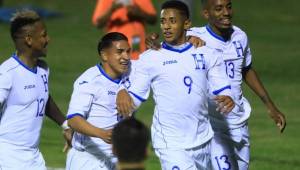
{"x":39,"y":39}
{"x":117,"y":58}
{"x":173,"y":26}
{"x":219,"y":14}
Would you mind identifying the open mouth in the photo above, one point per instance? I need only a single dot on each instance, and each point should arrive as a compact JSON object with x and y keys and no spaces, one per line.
{"x":167,"y":34}
{"x":226,"y":21}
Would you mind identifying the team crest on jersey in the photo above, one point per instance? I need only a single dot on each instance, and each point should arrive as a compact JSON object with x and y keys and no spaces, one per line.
{"x":170,"y":62}
{"x":31,"y":86}
{"x":199,"y":61}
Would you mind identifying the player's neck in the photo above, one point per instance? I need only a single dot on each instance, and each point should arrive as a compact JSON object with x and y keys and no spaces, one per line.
{"x":224,"y":33}
{"x":27,"y":59}
{"x":130,"y":166}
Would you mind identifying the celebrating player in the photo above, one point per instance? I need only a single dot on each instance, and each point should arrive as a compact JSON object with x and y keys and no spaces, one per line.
{"x":230,"y":146}
{"x":92,"y":111}
{"x":24,"y":95}
{"x":180,"y":76}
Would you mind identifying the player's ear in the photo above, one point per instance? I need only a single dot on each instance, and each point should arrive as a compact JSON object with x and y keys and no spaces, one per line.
{"x":187,"y":24}
{"x":28,"y":40}
{"x":103,"y":56}
{"x":205,"y":14}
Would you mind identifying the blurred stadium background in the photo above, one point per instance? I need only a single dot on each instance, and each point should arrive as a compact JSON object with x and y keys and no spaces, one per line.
{"x":273,"y":28}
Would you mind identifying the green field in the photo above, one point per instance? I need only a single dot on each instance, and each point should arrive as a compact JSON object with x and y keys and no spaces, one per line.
{"x":272,"y":27}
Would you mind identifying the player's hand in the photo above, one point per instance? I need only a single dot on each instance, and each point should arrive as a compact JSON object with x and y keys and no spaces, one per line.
{"x":68,"y":134}
{"x":196,"y":41}
{"x":152,"y":41}
{"x":125,"y":105}
{"x":278,"y":118}
{"x":225,"y":104}
{"x":106,"y":135}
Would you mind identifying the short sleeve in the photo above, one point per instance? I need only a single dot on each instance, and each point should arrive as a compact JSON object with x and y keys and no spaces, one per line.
{"x":217,"y":78}
{"x":5,"y":86}
{"x":140,"y":80}
{"x":81,"y":99}
{"x":247,"y":54}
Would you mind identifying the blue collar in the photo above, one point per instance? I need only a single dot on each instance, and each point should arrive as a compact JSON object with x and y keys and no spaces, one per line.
{"x":117,"y":81}
{"x":208,"y":28}
{"x":33,"y":70}
{"x":169,"y":47}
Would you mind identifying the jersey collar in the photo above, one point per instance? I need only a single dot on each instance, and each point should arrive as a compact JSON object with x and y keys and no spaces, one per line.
{"x":212,"y":33}
{"x":33,"y":70}
{"x":117,"y":81}
{"x":178,"y":50}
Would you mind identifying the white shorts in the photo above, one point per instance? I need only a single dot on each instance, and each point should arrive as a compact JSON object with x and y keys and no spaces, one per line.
{"x":82,"y":160}
{"x":231,"y":150}
{"x":197,"y":158}
{"x":14,"y":157}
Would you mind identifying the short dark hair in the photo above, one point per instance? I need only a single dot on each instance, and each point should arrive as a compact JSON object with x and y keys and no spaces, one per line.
{"x":107,"y":39}
{"x":20,"y":20}
{"x":181,"y":6}
{"x":130,"y":138}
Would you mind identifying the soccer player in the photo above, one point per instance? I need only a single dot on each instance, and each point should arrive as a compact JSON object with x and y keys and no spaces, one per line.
{"x":230,"y":146}
{"x":180,"y":76}
{"x":130,"y":139}
{"x":219,"y":33}
{"x":24,"y":95}
{"x":92,"y":111}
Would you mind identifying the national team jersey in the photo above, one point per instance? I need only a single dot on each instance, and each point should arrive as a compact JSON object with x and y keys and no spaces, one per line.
{"x":237,"y":56}
{"x":180,"y":78}
{"x":23,"y":97}
{"x":94,"y":98}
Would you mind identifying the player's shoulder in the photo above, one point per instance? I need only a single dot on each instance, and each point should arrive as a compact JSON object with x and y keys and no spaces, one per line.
{"x":198,"y":30}
{"x":150,"y":53}
{"x":43,"y":65}
{"x":206,"y":49}
{"x":8,"y":65}
{"x":239,"y":32}
{"x":88,"y":76}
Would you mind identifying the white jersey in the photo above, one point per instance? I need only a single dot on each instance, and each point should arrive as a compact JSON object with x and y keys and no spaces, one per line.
{"x":23,"y":96}
{"x":237,"y":56}
{"x":180,"y":79}
{"x":94,"y":98}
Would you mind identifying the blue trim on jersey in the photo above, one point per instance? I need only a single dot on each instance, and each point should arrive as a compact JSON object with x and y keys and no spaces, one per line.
{"x":117,"y":81}
{"x":73,"y":115}
{"x":136,"y":96}
{"x":216,"y":92}
{"x":33,"y":70}
{"x":214,"y":34}
{"x":247,"y":67}
{"x":168,"y":47}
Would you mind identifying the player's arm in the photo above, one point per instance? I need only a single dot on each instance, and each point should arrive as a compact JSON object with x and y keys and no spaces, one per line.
{"x":252,"y":80}
{"x":128,"y":100}
{"x":79,"y":124}
{"x":53,"y":112}
{"x":5,"y":86}
{"x":219,"y":84}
